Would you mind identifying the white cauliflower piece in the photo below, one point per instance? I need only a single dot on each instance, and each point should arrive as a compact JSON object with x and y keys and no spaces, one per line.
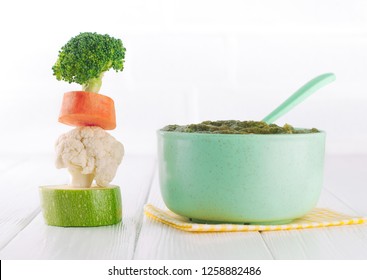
{"x":89,"y":153}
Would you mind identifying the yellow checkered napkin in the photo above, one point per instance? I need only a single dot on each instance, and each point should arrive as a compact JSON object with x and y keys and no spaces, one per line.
{"x":318,"y":217}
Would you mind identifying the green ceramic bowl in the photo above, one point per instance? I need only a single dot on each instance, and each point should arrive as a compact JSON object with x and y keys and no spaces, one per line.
{"x":252,"y":178}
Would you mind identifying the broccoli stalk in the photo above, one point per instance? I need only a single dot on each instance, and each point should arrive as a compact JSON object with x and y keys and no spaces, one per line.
{"x":86,"y":57}
{"x":94,"y":84}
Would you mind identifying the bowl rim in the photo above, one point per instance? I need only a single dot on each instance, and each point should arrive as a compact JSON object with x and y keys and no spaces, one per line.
{"x":161,"y":132}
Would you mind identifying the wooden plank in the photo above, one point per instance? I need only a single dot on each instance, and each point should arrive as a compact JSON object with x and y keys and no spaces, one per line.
{"x":158,"y":241}
{"x":344,"y":242}
{"x":38,"y":241}
{"x":345,"y":177}
{"x":19,"y":202}
{"x":339,"y":243}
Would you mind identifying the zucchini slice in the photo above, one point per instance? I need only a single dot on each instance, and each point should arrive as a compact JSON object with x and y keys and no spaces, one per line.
{"x":66,"y":206}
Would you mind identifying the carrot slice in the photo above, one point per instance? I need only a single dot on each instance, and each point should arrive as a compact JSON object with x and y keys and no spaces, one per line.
{"x":81,"y":108}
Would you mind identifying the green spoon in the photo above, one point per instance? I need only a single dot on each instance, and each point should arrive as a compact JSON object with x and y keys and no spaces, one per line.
{"x":299,"y":96}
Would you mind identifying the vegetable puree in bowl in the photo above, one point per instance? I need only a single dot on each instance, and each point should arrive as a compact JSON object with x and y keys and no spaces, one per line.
{"x":237,"y":127}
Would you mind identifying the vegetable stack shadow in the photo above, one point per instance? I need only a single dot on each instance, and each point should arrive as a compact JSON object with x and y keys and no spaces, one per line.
{"x":90,"y":154}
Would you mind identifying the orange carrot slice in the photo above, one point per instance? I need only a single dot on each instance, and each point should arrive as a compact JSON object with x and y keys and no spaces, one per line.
{"x":81,"y":108}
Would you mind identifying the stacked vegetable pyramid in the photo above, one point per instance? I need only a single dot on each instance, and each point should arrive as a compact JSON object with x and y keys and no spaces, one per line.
{"x":88,"y":151}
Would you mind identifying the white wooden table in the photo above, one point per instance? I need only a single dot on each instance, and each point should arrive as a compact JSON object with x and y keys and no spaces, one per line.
{"x":23,"y":234}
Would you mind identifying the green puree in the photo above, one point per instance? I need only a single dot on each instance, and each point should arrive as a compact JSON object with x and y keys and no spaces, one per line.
{"x":237,"y":127}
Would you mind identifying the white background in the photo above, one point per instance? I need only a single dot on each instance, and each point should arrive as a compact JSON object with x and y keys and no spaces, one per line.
{"x":188,"y":61}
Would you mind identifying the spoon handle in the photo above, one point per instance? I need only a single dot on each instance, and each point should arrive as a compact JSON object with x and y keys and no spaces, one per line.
{"x":299,"y":96}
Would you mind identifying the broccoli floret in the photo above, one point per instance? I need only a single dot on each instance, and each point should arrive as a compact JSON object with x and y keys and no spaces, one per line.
{"x":86,"y":57}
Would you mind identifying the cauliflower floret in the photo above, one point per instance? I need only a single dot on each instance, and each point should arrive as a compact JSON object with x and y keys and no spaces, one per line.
{"x":89,"y":153}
